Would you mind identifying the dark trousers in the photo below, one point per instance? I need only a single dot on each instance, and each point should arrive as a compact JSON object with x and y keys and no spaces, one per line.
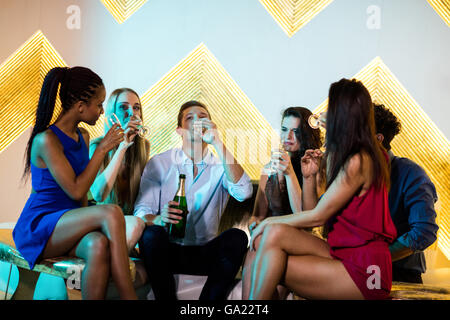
{"x":406,"y":275}
{"x":219,"y":259}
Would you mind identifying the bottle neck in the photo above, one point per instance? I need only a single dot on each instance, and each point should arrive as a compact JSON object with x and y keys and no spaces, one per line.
{"x":180,"y":191}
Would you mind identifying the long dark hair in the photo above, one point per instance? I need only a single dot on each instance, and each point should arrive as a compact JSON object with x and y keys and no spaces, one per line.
{"x":309,"y":138}
{"x":351,"y":129}
{"x":75,"y":84}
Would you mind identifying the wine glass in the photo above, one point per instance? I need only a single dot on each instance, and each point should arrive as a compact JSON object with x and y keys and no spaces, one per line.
{"x":275,"y":158}
{"x":317,"y":121}
{"x":143,"y":131}
{"x":198,"y":128}
{"x":113,"y":119}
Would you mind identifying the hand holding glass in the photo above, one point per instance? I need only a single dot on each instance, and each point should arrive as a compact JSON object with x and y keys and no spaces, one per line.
{"x":143,"y":131}
{"x":275,"y":158}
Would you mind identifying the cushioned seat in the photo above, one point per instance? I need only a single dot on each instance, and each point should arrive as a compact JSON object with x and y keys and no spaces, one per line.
{"x":63,"y":267}
{"x":413,"y":291}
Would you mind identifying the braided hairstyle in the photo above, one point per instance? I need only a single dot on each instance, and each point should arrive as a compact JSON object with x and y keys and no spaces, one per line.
{"x":75,"y":84}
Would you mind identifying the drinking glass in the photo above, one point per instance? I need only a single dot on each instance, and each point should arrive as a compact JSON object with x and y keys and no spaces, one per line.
{"x":275,"y":158}
{"x":198,"y":127}
{"x":317,"y":121}
{"x":143,"y":131}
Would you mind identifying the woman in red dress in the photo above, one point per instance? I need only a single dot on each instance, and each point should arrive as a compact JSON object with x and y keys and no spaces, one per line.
{"x":355,"y":262}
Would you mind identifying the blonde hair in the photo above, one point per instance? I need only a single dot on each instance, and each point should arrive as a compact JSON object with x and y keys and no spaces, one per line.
{"x":136,"y":158}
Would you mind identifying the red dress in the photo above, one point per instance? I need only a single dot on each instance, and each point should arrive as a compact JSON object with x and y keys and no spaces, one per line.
{"x":359,"y":236}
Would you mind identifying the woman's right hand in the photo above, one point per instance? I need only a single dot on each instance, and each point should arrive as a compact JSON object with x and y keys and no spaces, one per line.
{"x":112,"y":138}
{"x":311,"y":162}
{"x":253,"y":223}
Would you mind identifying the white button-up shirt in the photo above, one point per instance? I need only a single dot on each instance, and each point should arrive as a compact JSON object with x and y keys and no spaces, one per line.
{"x":206,"y":195}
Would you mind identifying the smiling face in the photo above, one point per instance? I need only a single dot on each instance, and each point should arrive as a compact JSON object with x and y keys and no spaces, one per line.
{"x":127,"y":105}
{"x":289,"y":131}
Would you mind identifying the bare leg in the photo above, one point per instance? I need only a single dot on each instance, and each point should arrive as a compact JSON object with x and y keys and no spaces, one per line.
{"x":279,"y":243}
{"x":134,"y":227}
{"x":280,"y":294}
{"x":94,"y":249}
{"x":246,"y":272}
{"x":313,"y":277}
{"x":108,"y":219}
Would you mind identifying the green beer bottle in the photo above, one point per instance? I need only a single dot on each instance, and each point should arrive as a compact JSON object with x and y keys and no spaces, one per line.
{"x":177,"y":231}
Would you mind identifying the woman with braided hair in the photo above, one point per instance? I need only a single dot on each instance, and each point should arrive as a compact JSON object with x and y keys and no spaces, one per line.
{"x":56,"y":220}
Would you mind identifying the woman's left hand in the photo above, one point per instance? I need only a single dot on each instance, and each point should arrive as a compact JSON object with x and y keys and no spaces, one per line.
{"x":260,"y":229}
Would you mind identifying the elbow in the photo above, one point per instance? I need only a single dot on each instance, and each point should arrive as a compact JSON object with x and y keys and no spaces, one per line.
{"x":98,"y":193}
{"x":98,"y":197}
{"x":318,"y":219}
{"x":318,"y":222}
{"x":242,"y":196}
{"x":76,"y":195}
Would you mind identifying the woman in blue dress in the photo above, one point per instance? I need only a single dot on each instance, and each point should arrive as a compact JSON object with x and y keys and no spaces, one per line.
{"x":56,"y":219}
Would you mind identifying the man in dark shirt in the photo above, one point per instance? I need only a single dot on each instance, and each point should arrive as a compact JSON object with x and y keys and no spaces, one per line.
{"x":411,"y":202}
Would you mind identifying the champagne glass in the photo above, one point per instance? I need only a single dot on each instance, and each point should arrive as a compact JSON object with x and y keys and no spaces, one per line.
{"x":113,"y":119}
{"x":275,"y":158}
{"x":143,"y":130}
{"x":317,"y":121}
{"x":198,"y":128}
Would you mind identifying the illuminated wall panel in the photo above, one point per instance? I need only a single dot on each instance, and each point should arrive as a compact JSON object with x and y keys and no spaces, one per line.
{"x":292,"y":15}
{"x":420,"y":140}
{"x":442,"y":7}
{"x":199,"y":76}
{"x":123,"y":9}
{"x":21,"y":78}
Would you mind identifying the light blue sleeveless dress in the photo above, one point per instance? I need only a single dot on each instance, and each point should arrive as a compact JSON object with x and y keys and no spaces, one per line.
{"x":49,"y":201}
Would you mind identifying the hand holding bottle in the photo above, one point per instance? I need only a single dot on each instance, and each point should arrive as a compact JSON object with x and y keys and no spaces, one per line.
{"x":170,"y":214}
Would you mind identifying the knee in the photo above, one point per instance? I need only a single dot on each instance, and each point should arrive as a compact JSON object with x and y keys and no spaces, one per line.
{"x":134,"y":228}
{"x":153,"y":236}
{"x":97,"y":246}
{"x":274,"y":233}
{"x":239,"y":238}
{"x":114,"y":215}
{"x":235,"y":240}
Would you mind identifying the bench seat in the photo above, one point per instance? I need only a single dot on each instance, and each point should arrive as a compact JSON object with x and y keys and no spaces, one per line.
{"x":416,"y":291}
{"x":63,"y":267}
